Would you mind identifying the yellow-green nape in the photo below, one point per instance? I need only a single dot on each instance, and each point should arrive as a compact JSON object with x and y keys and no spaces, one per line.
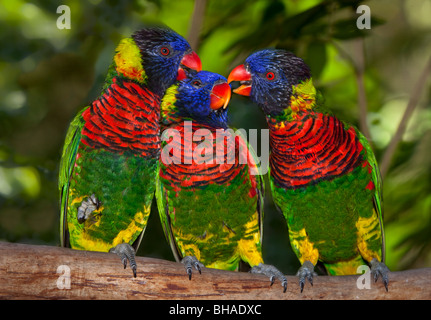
{"x":167,"y":106}
{"x":303,"y":97}
{"x":305,"y":88}
{"x":169,"y":97}
{"x":128,"y":60}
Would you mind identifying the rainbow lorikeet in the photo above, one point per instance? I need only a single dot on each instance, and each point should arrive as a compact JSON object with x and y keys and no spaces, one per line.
{"x":210,"y":193}
{"x":108,"y":169}
{"x":323,"y":174}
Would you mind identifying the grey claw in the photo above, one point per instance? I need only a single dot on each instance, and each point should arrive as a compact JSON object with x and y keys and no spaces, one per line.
{"x":306,"y":271}
{"x":126,"y":252}
{"x":87,"y":207}
{"x":191,"y":262}
{"x":379,"y":269}
{"x":189,"y":272}
{"x":272,"y":279}
{"x":272,"y":272}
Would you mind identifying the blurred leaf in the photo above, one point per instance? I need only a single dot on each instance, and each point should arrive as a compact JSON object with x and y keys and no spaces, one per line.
{"x":316,"y":57}
{"x":19,"y":50}
{"x":346,"y":29}
{"x":274,"y":10}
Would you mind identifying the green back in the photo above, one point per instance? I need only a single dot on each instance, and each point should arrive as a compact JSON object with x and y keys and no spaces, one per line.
{"x":67,"y":163}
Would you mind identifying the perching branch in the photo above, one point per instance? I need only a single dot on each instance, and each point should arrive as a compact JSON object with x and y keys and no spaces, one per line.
{"x":43,"y":272}
{"x":414,"y":99}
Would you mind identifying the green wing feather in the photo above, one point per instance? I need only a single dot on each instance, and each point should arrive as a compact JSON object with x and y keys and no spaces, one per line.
{"x":167,"y":108}
{"x":163,"y":207}
{"x":67,"y":163}
{"x":260,"y":182}
{"x":377,"y":180}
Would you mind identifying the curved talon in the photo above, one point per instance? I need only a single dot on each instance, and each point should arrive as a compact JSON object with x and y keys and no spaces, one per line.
{"x":272,"y":279}
{"x":197,"y":266}
{"x":126,"y":252}
{"x":189,"y":272}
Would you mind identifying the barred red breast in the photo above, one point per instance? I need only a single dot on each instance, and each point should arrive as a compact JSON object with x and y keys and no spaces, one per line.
{"x":195,"y":165}
{"x":124,"y":118}
{"x":315,"y":147}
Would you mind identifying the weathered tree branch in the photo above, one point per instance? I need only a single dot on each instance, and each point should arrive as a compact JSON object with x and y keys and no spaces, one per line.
{"x":30,"y":272}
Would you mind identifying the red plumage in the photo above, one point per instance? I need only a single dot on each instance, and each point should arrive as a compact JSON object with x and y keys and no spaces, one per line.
{"x":313,"y":148}
{"x":124,"y":118}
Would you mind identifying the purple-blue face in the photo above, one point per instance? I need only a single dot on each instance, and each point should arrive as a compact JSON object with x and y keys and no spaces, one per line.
{"x":267,"y":76}
{"x":204,"y":96}
{"x":164,"y":54}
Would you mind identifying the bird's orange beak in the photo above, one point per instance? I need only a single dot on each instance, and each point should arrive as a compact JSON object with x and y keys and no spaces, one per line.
{"x":220,"y":96}
{"x":241,"y":74}
{"x":191,"y":61}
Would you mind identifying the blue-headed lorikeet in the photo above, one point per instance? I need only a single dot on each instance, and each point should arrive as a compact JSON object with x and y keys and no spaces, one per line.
{"x":109,"y":163}
{"x":210,"y":193}
{"x":323,"y":174}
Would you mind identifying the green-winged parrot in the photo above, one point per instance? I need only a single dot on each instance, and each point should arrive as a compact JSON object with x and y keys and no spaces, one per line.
{"x":109,"y":164}
{"x":210,"y":192}
{"x":324,"y":176}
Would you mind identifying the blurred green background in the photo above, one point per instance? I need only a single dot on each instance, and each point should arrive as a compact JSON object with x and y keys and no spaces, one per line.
{"x":48,"y":74}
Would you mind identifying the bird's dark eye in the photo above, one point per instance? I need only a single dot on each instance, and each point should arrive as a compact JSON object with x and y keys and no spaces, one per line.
{"x":197,"y":83}
{"x":270,"y":75}
{"x":164,"y":51}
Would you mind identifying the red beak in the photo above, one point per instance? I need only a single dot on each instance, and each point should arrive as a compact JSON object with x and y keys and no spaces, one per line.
{"x":220,"y":96}
{"x":240,"y":73}
{"x":191,"y":61}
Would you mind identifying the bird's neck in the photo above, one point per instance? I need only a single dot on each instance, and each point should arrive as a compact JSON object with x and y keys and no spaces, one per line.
{"x":125,"y":118}
{"x":302,"y":100}
{"x":128,"y":61}
{"x":169,"y":113}
{"x":127,"y":64}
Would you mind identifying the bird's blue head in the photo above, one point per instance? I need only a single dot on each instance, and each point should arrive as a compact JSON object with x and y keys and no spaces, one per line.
{"x":269,"y":77}
{"x":202,"y":97}
{"x":165,"y":57}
